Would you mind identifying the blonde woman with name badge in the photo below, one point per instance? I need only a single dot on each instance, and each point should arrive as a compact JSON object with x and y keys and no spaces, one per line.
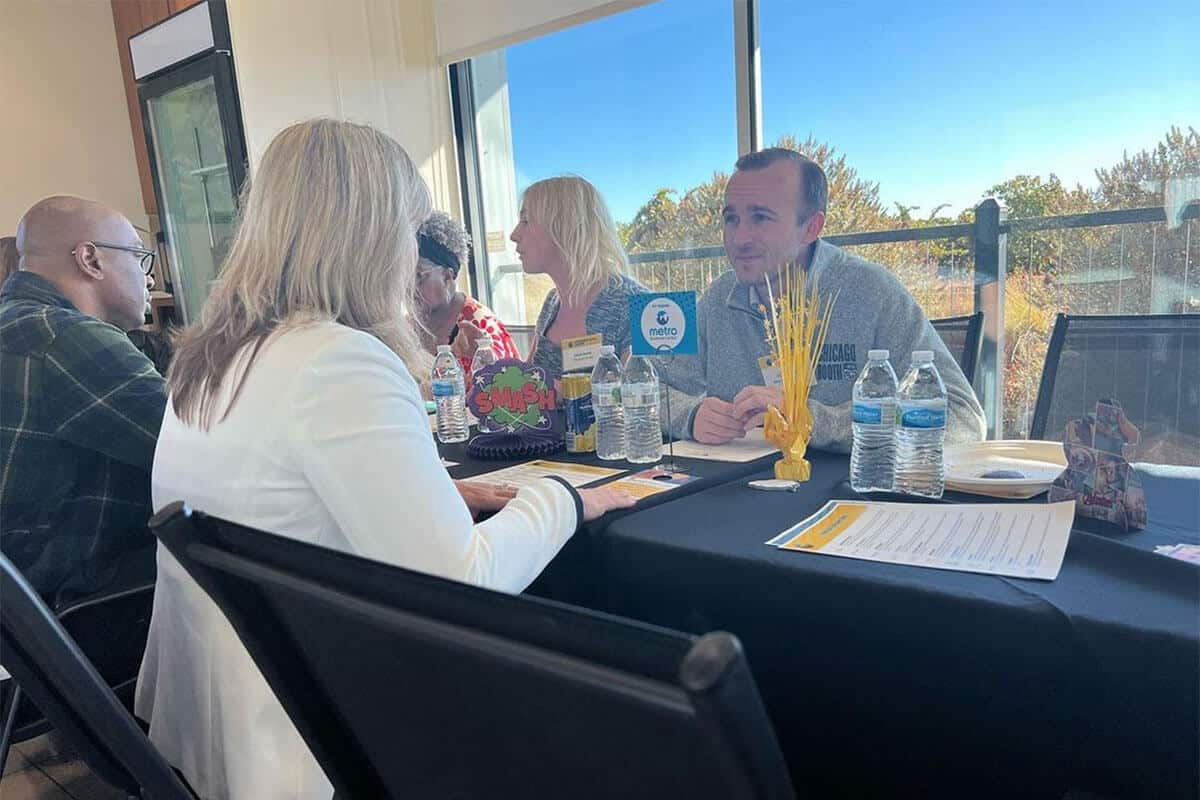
{"x":566,"y":232}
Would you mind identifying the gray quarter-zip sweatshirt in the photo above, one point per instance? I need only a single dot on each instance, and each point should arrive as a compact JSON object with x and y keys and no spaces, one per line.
{"x":872,"y":311}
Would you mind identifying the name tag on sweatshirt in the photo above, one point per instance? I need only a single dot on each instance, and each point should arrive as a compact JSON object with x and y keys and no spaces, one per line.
{"x":771,"y":374}
{"x":581,"y":353}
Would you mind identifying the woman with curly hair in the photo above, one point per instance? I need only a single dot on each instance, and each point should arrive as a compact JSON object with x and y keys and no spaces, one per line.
{"x":449,"y":315}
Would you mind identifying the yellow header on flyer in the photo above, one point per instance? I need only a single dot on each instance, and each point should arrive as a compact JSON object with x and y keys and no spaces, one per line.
{"x":557,"y":467}
{"x":824,"y":530}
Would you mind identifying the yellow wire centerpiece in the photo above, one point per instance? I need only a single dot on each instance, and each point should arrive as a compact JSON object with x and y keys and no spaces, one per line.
{"x":796,"y":325}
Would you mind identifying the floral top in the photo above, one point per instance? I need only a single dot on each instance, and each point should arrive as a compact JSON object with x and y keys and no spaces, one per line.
{"x":478,"y":316}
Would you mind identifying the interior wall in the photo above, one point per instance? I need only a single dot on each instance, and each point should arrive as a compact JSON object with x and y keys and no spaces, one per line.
{"x":65,"y":128}
{"x":370,"y":61}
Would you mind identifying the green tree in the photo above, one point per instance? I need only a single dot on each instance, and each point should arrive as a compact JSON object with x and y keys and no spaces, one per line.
{"x":1138,"y":180}
{"x":670,"y":220}
{"x":1028,"y":196}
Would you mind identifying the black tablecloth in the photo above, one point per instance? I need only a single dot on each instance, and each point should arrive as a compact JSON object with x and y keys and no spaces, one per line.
{"x":572,"y":576}
{"x":902,"y":680}
{"x":910,"y":681}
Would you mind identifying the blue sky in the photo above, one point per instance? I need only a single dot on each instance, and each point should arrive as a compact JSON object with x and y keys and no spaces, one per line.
{"x":935,"y":104}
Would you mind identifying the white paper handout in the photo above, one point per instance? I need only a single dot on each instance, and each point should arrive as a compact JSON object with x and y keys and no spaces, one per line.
{"x":1017,"y":540}
{"x":752,"y":447}
{"x":522,"y":474}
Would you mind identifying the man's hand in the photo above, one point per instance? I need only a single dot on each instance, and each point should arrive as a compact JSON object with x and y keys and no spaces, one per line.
{"x":716,"y":422}
{"x":481,"y":497}
{"x":751,"y":404}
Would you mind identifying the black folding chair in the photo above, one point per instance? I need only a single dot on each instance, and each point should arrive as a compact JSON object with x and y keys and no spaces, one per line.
{"x":964,"y":339}
{"x":1149,"y":363}
{"x":407,"y":685}
{"x":49,"y":666}
{"x":111,"y":631}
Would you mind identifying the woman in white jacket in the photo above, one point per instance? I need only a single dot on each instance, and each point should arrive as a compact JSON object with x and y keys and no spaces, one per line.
{"x":293,"y":410}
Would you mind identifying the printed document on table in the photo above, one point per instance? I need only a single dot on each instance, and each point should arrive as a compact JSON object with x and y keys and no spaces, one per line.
{"x":752,"y":447}
{"x":651,"y":481}
{"x":522,"y":474}
{"x":1013,"y":539}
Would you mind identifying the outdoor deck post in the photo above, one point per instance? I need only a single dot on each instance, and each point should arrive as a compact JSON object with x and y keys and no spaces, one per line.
{"x":990,"y":267}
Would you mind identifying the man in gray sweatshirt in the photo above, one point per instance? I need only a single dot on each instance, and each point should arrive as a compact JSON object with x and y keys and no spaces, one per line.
{"x":774,"y":213}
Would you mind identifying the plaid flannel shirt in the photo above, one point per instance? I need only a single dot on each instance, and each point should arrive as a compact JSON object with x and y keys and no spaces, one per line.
{"x":80,"y":410}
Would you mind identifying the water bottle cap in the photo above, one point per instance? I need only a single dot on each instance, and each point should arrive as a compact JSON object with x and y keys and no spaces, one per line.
{"x":878,"y":355}
{"x":607,"y":349}
{"x":443,"y":348}
{"x":922,"y":355}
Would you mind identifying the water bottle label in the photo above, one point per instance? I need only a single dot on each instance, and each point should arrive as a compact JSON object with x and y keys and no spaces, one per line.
{"x":640,"y":394}
{"x":921,"y":414}
{"x":868,"y":413}
{"x":606,"y":394}
{"x":445,"y":388}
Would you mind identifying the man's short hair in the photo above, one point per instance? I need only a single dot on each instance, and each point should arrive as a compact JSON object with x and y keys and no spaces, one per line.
{"x":814,"y":186}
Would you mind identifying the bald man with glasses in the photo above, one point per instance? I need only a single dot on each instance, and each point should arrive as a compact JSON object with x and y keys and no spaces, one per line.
{"x":80,"y":406}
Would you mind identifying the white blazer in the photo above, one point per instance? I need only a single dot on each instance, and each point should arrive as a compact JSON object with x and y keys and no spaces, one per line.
{"x":328,"y":443}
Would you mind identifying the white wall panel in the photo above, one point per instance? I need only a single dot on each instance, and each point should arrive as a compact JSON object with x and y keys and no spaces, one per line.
{"x":65,"y":128}
{"x":467,"y":28}
{"x":370,"y":61}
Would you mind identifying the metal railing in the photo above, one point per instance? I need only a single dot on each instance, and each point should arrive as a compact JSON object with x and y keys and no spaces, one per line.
{"x":987,"y":239}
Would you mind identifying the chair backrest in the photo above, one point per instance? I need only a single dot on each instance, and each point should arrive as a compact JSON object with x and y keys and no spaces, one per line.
{"x":1149,"y":363}
{"x":407,"y":685}
{"x":964,"y":339}
{"x":49,"y":666}
{"x":111,"y":632}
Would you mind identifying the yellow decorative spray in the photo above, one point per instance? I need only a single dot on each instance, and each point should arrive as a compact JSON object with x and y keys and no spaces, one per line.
{"x":796,"y":326}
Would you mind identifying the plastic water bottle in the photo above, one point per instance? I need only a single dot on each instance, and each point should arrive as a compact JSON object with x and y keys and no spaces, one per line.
{"x":920,"y":429}
{"x":873,"y":456}
{"x":639,"y":396}
{"x":606,"y":403}
{"x":483,"y":357}
{"x":448,"y":393}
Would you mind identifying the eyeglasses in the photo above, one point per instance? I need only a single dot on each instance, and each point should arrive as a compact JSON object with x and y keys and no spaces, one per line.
{"x":146,"y":257}
{"x":426,"y":274}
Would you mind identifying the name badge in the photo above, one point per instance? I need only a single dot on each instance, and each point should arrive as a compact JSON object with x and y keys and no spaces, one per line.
{"x":771,"y":374}
{"x":581,"y":353}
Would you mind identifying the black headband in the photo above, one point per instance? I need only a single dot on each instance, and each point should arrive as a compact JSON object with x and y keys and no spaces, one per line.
{"x":438,"y":253}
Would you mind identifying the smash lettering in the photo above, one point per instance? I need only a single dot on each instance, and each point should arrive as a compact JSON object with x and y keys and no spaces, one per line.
{"x":514,"y":400}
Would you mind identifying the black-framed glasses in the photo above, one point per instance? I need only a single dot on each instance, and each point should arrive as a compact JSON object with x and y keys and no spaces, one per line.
{"x":145,"y":257}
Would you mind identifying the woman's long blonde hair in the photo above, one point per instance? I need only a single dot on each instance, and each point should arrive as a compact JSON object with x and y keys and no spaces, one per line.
{"x":577,"y":219}
{"x":327,"y":232}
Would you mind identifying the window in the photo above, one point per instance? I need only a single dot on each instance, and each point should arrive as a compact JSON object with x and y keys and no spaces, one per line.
{"x":642,"y":105}
{"x":1047,"y":109}
{"x":1018,"y":160}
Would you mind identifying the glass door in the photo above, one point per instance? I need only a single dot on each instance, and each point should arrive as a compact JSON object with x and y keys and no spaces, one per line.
{"x":197,"y":155}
